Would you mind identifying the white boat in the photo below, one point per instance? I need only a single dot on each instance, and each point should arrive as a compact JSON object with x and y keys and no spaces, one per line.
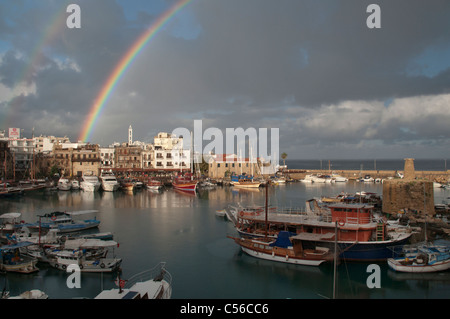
{"x":65,"y":258}
{"x":30,"y":294}
{"x":155,"y":283}
{"x":338,"y":178}
{"x":422,"y":259}
{"x":367,"y":179}
{"x":64,"y":184}
{"x":90,"y":183}
{"x":308,"y":179}
{"x":109,"y":183}
{"x":75,"y":184}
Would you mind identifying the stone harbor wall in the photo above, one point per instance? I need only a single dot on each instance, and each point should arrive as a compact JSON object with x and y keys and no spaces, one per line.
{"x":414,"y":196}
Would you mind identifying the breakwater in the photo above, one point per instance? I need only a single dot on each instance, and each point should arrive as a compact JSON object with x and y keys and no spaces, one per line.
{"x":434,"y":176}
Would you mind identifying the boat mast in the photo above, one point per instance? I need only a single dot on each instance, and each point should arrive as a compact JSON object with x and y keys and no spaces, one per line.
{"x":335,"y":259}
{"x":267,"y":191}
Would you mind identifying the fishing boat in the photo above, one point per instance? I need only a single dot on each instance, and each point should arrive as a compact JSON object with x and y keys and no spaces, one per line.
{"x":8,"y":224}
{"x":154,"y":184}
{"x":63,"y":221}
{"x":127,"y":185}
{"x":423,"y":258}
{"x":90,"y":183}
{"x":109,"y":182}
{"x":12,"y":260}
{"x":65,"y":258}
{"x":286,"y":248}
{"x":185,"y":183}
{"x":155,"y":283}
{"x":359,"y":237}
{"x":64,"y":184}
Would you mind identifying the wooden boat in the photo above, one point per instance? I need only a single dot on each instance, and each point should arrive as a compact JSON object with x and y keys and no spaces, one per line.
{"x":244,"y":181}
{"x":155,"y":283}
{"x":13,"y":261}
{"x":185,"y":183}
{"x":422,"y":259}
{"x":127,"y":185}
{"x":359,"y":237}
{"x":285,"y":248}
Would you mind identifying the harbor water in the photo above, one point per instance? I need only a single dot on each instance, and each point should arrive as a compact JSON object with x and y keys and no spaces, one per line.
{"x":184,"y":231}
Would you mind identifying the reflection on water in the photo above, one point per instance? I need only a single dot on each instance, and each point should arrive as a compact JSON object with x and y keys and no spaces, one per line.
{"x":183,"y":230}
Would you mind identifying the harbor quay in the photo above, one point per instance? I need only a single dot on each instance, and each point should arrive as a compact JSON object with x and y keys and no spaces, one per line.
{"x":434,"y":176}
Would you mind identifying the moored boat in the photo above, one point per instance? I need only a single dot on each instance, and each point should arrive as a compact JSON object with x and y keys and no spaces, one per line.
{"x":13,"y":261}
{"x":155,"y":283}
{"x":154,"y":184}
{"x":423,"y":258}
{"x":90,"y":183}
{"x":244,"y":181}
{"x":360,"y":238}
{"x":185,"y":183}
{"x":285,"y":248}
{"x":109,"y":182}
{"x":64,"y":184}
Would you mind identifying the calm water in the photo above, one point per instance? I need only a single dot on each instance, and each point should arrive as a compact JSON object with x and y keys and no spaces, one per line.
{"x":183,"y":231}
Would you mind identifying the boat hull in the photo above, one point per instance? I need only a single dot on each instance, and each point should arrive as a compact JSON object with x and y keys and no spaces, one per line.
{"x":351,"y":251}
{"x":396,"y":265}
{"x":185,"y":186}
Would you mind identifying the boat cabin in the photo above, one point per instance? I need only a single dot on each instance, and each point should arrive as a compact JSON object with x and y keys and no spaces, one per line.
{"x":351,"y":213}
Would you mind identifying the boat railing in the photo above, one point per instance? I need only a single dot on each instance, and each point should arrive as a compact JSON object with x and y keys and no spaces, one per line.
{"x":357,"y":220}
{"x":157,"y":273}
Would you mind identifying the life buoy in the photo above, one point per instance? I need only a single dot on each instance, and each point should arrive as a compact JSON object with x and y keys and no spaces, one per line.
{"x":53,"y":218}
{"x":102,"y":265}
{"x":341,"y":222}
{"x":64,"y":267}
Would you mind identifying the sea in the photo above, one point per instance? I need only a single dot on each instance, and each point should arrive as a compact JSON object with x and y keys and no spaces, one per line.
{"x":184,"y":231}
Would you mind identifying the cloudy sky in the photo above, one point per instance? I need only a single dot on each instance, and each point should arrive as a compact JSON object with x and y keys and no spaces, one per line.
{"x":335,"y":88}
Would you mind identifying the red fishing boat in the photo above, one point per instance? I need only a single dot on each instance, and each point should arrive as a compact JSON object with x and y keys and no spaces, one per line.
{"x":185,"y":183}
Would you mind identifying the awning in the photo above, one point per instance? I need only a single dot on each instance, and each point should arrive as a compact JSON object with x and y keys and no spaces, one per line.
{"x":310,"y":236}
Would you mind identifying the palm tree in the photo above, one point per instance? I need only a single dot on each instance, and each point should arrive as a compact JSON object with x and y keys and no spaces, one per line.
{"x":284,"y":156}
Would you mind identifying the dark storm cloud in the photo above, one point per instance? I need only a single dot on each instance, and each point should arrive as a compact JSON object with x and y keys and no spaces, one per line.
{"x":296,"y":65}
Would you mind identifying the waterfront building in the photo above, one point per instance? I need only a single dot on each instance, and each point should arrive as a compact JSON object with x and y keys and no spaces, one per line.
{"x":107,"y":158}
{"x":44,"y":144}
{"x":6,"y":161}
{"x":169,"y":153}
{"x":84,"y":159}
{"x":225,"y":165}
{"x":128,"y":157}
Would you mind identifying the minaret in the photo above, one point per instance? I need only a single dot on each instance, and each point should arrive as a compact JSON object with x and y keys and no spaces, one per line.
{"x":130,"y":135}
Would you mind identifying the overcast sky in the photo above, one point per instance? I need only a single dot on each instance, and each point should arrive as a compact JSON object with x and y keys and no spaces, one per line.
{"x":335,"y":88}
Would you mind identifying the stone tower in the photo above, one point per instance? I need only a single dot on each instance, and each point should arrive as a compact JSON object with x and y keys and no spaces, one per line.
{"x":409,"y":171}
{"x":416,"y":196}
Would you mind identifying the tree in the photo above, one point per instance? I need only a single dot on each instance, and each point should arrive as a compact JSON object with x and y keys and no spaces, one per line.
{"x":284,"y":156}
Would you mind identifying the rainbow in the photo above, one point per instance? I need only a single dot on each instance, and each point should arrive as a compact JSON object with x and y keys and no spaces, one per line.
{"x":122,"y":66}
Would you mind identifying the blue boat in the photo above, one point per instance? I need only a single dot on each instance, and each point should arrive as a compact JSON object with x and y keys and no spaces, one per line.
{"x":64,"y":222}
